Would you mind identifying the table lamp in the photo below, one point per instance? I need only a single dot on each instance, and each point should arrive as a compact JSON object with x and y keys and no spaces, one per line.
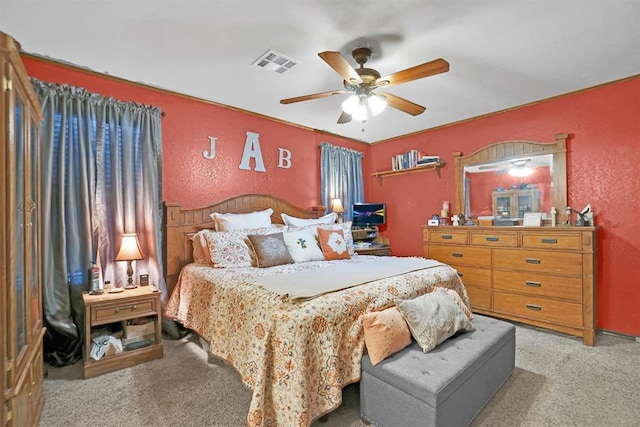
{"x":336,"y":206}
{"x":129,"y":251}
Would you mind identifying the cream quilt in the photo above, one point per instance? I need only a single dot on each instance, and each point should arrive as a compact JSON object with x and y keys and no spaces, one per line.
{"x":295,"y":355}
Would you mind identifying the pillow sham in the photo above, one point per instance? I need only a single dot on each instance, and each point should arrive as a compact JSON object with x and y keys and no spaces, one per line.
{"x":230,"y":248}
{"x":292,"y":221}
{"x":456,"y":297}
{"x":333,"y":244}
{"x":234,"y":221}
{"x":385,"y":332}
{"x":346,"y":230}
{"x":270,"y":250}
{"x":433,"y":317}
{"x":200,"y":249}
{"x":303,"y":246}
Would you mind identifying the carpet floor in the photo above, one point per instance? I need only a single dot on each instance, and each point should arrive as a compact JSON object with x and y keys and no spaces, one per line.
{"x":557,"y":381}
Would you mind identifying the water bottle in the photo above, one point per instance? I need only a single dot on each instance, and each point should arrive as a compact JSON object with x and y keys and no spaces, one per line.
{"x":94,"y":274}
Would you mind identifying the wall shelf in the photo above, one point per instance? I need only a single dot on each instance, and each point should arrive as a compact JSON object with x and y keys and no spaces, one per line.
{"x":423,"y":168}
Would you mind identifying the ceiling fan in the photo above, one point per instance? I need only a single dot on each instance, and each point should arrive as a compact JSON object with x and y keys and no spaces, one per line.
{"x":362,"y":83}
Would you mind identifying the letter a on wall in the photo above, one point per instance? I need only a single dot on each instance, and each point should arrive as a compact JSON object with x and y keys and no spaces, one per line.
{"x":252,"y":149}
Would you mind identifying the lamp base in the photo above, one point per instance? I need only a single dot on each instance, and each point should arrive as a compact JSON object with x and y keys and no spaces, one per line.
{"x":130,"y":284}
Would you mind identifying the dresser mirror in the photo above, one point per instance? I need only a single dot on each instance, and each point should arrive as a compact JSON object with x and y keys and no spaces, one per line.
{"x":507,"y":179}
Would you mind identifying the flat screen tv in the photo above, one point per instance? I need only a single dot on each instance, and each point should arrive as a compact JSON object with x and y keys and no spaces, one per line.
{"x":366,"y":214}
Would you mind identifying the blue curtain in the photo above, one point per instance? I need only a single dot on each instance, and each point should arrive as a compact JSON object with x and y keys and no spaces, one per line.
{"x":341,"y":177}
{"x":101,"y":177}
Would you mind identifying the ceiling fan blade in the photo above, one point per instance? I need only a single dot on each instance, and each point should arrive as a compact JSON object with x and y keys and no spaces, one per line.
{"x":341,"y":66}
{"x":312,"y":96}
{"x":403,"y":104}
{"x":431,"y":68}
{"x":344,"y":118}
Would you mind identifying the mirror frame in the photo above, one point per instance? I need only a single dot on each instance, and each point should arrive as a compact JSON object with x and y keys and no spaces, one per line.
{"x":515,"y":149}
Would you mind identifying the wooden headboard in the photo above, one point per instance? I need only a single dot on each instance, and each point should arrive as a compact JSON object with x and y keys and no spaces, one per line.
{"x":181,"y":224}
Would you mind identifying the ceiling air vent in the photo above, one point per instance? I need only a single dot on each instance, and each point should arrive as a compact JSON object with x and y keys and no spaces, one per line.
{"x":274,"y":61}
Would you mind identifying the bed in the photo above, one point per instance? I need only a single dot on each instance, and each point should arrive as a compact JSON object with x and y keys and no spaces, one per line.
{"x":296,"y":353}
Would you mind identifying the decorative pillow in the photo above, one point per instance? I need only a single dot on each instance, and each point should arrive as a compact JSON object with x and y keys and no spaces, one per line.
{"x":233,"y":221}
{"x":200,"y":249}
{"x":385,"y":333}
{"x":230,"y":248}
{"x":270,"y":250}
{"x":456,"y":297}
{"x":345,"y":227}
{"x":433,"y":317}
{"x":346,"y":230}
{"x":301,"y":222}
{"x":333,"y":244}
{"x":303,"y":246}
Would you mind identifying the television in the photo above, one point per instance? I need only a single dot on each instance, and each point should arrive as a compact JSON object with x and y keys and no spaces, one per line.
{"x":367,"y":214}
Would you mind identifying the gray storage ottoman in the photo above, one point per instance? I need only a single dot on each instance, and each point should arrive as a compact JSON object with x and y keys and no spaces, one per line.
{"x":447,"y":386}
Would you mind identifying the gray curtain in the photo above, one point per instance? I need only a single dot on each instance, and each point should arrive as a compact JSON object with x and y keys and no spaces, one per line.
{"x":341,"y":177}
{"x":101,"y":177}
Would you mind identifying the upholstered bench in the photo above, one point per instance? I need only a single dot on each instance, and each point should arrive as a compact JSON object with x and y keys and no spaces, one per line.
{"x":447,"y":386}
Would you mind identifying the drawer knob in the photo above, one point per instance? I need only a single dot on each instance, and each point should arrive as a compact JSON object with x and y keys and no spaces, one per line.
{"x":447,"y":236}
{"x":533,"y":284}
{"x":534,"y":307}
{"x":126,"y":307}
{"x":550,"y":241}
{"x":492,"y":239}
{"x":457,"y":254}
{"x":532,"y":261}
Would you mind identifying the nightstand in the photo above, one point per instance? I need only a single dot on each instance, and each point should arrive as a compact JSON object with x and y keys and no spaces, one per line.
{"x":116,"y":310}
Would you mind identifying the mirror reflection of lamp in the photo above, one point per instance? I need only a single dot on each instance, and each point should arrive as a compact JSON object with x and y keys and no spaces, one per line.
{"x":520,"y":169}
{"x":336,"y":206}
{"x":129,"y":251}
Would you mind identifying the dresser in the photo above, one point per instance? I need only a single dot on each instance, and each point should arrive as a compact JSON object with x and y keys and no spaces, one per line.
{"x":542,"y":276}
{"x":21,"y":324}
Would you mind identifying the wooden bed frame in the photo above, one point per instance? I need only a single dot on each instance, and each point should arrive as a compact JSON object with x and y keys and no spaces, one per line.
{"x":182,"y":224}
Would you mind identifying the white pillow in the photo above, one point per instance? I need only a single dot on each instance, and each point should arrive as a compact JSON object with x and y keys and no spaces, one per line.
{"x":303,"y":246}
{"x":233,"y":221}
{"x":301,"y":222}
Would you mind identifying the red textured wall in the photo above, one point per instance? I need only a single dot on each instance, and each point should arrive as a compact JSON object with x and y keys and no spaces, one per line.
{"x":188,"y":177}
{"x":602,"y":160}
{"x":603,"y":154}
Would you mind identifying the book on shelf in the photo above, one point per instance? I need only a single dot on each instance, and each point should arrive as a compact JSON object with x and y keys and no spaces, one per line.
{"x":412,"y":159}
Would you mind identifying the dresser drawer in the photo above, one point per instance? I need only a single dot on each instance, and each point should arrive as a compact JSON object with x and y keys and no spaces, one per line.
{"x":538,"y":308}
{"x":445,"y":236}
{"x":552,"y":241}
{"x":461,"y":255}
{"x":495,"y":239}
{"x":569,"y":288}
{"x":479,"y":297}
{"x":474,"y":276}
{"x":565,"y":263}
{"x":113,"y":312}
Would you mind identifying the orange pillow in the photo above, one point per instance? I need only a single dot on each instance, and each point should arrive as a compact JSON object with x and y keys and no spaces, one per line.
{"x":333,"y":244}
{"x":385,"y":332}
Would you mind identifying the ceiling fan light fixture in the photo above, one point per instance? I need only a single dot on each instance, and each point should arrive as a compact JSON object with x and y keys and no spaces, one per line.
{"x":360,"y":112}
{"x":377,"y":103}
{"x":351,"y":104}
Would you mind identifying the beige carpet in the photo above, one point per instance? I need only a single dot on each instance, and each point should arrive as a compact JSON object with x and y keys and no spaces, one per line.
{"x":557,"y":382}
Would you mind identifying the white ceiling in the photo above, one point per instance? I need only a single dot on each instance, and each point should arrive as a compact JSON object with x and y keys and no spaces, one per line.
{"x":502,"y":53}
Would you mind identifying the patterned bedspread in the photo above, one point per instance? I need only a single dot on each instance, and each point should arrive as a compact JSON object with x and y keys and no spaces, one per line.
{"x":296,"y":356}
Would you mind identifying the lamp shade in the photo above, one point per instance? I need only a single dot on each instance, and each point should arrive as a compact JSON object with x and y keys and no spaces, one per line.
{"x":377,"y":103}
{"x":336,"y":206}
{"x":129,"y":248}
